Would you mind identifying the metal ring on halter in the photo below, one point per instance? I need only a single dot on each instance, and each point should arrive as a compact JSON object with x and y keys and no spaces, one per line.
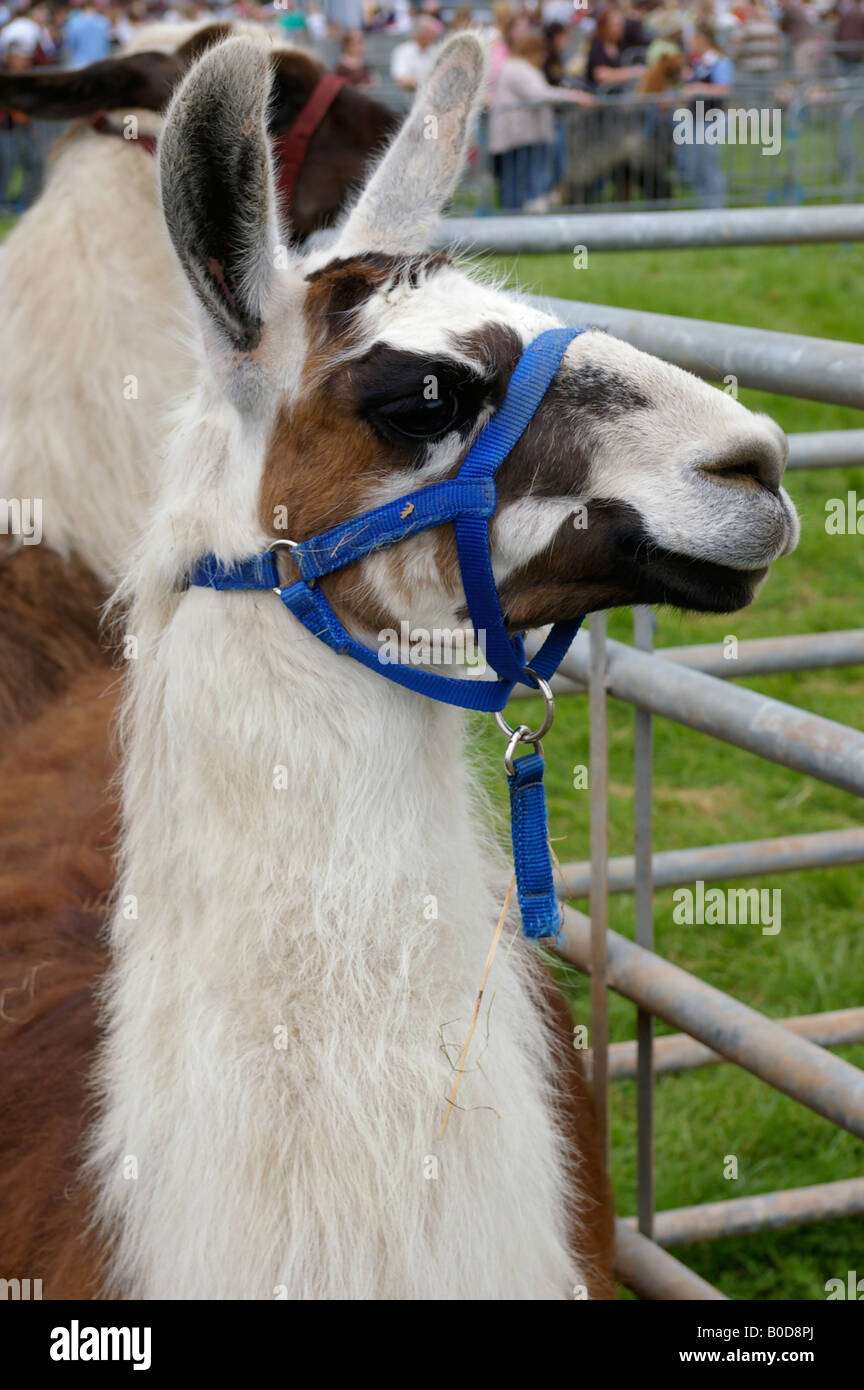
{"x":532,"y":735}
{"x":284,"y":545}
{"x":517,"y":736}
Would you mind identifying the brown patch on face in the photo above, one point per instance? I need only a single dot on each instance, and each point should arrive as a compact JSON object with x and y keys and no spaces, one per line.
{"x":324,"y":458}
{"x":49,"y":628}
{"x":336,"y":292}
{"x":57,"y":825}
{"x":497,"y":347}
{"x":552,"y":457}
{"x":582,"y":571}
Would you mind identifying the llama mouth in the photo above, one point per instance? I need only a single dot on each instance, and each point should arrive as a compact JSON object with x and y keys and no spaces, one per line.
{"x":756,"y":530}
{"x":653,"y":576}
{"x":617,"y":557}
{"x":615,"y":562}
{"x":700,"y":586}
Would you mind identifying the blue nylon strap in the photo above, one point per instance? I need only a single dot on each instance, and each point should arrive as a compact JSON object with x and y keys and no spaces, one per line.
{"x":260,"y":573}
{"x":548,"y":658}
{"x":429,"y":506}
{"x":528,"y":385}
{"x":541,"y":915}
{"x":312,"y":609}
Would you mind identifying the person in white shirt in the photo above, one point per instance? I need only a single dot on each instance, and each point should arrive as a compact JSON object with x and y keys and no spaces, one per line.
{"x":412,"y":60}
{"x":25,"y":34}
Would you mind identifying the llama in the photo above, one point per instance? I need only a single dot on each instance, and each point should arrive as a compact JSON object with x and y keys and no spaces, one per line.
{"x":89,"y":341}
{"x":303,"y":909}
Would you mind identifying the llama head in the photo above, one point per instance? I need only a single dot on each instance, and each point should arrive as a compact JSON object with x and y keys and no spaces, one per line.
{"x":368,"y":368}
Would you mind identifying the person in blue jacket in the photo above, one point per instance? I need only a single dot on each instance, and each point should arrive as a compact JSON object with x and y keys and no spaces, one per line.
{"x":87,"y":34}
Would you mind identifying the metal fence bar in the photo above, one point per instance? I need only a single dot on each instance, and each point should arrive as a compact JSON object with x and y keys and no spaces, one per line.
{"x":652,"y":1273}
{"x":742,"y":1216}
{"x":676,"y":1052}
{"x":827,"y":449}
{"x":599,"y":793}
{"x":643,"y":750}
{"x":816,"y":1078}
{"x":767,"y":656}
{"x":621,"y":156}
{"x":756,"y":656}
{"x":833,"y":753}
{"x":815,"y":369}
{"x":651,"y":231}
{"x":811,"y":651}
{"x":821,"y":849}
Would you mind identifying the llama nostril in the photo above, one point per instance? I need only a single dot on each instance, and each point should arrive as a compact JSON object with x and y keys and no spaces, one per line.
{"x":749,"y":470}
{"x":763,"y":461}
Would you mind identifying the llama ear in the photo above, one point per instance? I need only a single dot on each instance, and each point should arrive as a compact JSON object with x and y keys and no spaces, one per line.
{"x":398,"y":209}
{"x":217,"y":187}
{"x":140,"y":81}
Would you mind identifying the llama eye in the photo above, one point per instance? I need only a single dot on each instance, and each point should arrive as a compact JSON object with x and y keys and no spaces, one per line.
{"x":415,"y":417}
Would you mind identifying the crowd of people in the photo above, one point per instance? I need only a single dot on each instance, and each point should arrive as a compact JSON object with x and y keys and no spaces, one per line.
{"x":545,"y":55}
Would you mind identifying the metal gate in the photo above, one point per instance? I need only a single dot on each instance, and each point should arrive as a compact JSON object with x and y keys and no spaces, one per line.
{"x":691,"y":686}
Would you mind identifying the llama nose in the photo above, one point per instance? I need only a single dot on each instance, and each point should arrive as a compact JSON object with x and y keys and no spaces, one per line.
{"x":762,"y":457}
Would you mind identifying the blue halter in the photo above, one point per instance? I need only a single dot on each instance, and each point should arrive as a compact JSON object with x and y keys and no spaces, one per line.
{"x":468,"y":501}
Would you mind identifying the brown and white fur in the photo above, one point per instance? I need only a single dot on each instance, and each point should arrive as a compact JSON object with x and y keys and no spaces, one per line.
{"x":92,"y":344}
{"x":284,"y":1011}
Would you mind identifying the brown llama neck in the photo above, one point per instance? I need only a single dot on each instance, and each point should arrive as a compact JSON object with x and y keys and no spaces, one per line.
{"x":57,"y":824}
{"x":49,"y":629}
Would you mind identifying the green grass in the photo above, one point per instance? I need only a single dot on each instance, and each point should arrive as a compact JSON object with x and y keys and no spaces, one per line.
{"x":706,"y":792}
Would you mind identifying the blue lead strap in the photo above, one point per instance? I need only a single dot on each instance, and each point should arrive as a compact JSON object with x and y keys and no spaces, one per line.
{"x":468,"y":501}
{"x":529,"y":827}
